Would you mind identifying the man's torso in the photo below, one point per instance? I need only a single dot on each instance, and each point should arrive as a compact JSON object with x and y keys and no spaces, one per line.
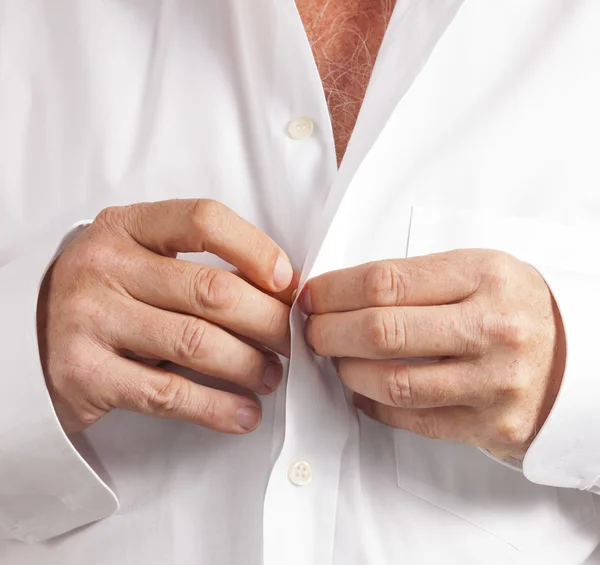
{"x":115,"y":102}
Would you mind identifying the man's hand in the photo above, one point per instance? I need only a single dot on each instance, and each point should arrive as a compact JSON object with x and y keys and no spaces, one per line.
{"x":118,"y":290}
{"x":483,"y":326}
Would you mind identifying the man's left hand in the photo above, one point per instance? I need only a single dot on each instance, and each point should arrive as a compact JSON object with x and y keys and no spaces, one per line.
{"x":466,"y":346}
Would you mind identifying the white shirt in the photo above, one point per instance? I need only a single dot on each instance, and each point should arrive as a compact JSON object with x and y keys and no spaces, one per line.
{"x":480,"y":128}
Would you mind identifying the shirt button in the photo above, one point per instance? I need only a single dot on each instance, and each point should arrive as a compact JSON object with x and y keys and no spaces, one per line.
{"x":300,"y":128}
{"x":300,"y":473}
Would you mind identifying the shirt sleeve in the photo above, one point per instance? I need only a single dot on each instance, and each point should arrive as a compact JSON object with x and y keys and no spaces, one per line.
{"x":46,"y":487}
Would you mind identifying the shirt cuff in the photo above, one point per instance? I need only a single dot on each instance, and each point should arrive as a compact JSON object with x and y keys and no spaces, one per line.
{"x":46,"y":487}
{"x":566,"y":452}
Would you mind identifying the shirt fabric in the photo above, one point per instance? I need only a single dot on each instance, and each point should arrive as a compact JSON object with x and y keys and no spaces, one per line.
{"x":480,"y":128}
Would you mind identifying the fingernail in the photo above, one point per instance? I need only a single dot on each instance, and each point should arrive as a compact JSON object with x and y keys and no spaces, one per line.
{"x":305,"y":302}
{"x":308,"y":333}
{"x":248,"y":417}
{"x":362,"y":403}
{"x":272,"y":376}
{"x":283,"y":273}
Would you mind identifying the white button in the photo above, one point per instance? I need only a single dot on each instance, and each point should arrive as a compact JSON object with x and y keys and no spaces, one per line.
{"x":300,"y":473}
{"x":301,"y":128}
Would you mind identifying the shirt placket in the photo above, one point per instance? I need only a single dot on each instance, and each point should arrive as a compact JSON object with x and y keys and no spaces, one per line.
{"x":302,"y":495}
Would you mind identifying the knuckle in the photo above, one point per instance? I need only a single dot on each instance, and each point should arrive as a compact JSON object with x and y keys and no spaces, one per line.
{"x":206,"y":215}
{"x":92,"y":257}
{"x":74,"y":363}
{"x":474,"y":333}
{"x":517,"y":383}
{"x":426,"y":425}
{"x":385,"y":331}
{"x":514,"y":330}
{"x":82,"y":310}
{"x":191,"y":343}
{"x":212,"y":290}
{"x":513,"y":431}
{"x":78,"y":372}
{"x":86,"y":418}
{"x":76,"y":307}
{"x":511,"y":330}
{"x":78,"y":384}
{"x":110,"y":217}
{"x":399,"y":387}
{"x":169,"y":398}
{"x":72,"y":374}
{"x":486,"y":327}
{"x":496,"y":269}
{"x":384,"y":284}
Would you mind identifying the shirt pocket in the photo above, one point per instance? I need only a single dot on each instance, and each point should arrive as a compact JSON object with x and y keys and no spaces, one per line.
{"x":460,"y":479}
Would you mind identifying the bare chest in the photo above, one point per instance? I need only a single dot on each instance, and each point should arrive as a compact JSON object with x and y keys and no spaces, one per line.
{"x":345,"y":36}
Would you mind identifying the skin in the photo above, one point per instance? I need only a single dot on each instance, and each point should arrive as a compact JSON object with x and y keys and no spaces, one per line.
{"x":345,"y":36}
{"x":483,"y":325}
{"x":117,"y":298}
{"x":117,"y":301}
{"x":486,"y":323}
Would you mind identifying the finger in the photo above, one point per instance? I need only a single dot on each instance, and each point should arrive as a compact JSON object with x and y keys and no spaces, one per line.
{"x":452,"y":423}
{"x":395,"y":333}
{"x":152,"y":361}
{"x":287,"y":296}
{"x":416,"y":385}
{"x":441,"y":278}
{"x":194,"y":343}
{"x":210,"y":293}
{"x":157,"y":392}
{"x":206,"y":225}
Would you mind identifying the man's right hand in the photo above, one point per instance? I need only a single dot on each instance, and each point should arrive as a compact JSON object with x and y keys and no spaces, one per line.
{"x":118,"y":289}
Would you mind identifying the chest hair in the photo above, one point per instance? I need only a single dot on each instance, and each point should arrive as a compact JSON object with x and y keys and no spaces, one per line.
{"x":345,"y":36}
